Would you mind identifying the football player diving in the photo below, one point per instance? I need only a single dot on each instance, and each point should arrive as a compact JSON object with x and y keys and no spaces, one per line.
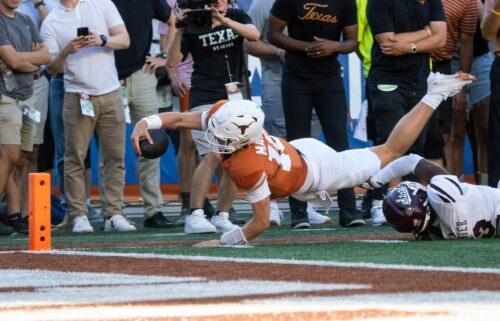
{"x":268,"y":167}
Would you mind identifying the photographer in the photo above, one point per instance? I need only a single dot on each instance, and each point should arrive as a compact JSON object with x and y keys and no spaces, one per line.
{"x":218,"y":60}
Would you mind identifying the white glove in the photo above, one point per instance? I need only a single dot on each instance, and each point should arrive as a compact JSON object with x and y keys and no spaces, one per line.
{"x":440,"y":87}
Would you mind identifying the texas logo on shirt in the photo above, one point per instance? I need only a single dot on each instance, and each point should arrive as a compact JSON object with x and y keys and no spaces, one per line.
{"x":314,"y":13}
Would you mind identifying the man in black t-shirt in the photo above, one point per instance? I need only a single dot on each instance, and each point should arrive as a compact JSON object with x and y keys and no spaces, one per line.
{"x":405,"y":32}
{"x":218,"y":60}
{"x":139,"y":86}
{"x":312,"y":79}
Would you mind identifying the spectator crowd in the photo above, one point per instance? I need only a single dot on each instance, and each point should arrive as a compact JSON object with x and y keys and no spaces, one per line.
{"x":69,"y":69}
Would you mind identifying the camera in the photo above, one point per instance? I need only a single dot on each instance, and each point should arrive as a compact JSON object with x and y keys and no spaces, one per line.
{"x":199,"y":19}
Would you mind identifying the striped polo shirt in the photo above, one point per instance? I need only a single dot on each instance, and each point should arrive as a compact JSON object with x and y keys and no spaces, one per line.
{"x":461,"y":17}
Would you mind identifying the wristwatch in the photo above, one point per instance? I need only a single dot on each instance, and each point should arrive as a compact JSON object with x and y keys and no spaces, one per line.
{"x":38,"y":4}
{"x":104,"y":40}
{"x":413,"y":49}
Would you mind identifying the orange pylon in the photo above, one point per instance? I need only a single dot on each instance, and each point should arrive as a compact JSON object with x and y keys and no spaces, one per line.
{"x":39,"y":212}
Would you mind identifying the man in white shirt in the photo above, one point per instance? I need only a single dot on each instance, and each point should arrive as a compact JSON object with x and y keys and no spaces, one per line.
{"x":92,"y":101}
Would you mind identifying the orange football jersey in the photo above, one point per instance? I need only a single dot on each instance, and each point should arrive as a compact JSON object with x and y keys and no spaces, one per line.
{"x":269,"y":157}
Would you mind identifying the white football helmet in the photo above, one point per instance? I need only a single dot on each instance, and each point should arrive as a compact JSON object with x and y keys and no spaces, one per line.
{"x":235,"y":125}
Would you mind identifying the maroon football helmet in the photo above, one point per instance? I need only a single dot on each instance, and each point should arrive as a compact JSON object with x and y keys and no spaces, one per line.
{"x":407,"y":208}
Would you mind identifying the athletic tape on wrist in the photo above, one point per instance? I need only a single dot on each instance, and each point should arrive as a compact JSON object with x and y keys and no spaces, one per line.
{"x":433,"y":100}
{"x":154,"y":122}
{"x":233,"y":237}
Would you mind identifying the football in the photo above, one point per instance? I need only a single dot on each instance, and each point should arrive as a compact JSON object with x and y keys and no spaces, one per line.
{"x":158,"y":147}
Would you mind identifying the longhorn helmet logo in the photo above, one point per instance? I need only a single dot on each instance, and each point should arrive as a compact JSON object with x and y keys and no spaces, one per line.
{"x":243,"y":128}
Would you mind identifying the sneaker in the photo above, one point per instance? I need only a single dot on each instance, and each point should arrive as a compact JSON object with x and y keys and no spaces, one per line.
{"x":222,"y":223}
{"x":316,"y":218}
{"x":81,"y":224}
{"x":93,"y":216}
{"x":350,"y":218}
{"x":208,"y":208}
{"x":299,"y":220}
{"x":182,"y":218}
{"x":6,"y":230}
{"x":158,"y":220}
{"x":366,"y":206}
{"x":275,"y":214}
{"x":18,"y":223}
{"x":118,"y":223}
{"x":234,"y":218}
{"x":378,"y":217}
{"x":196,"y":223}
{"x":446,"y":85}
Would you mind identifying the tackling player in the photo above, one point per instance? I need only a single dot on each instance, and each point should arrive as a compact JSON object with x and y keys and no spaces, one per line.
{"x":445,"y":209}
{"x":268,"y":167}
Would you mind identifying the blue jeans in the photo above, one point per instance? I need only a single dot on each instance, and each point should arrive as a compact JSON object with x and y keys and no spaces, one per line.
{"x":56,"y":103}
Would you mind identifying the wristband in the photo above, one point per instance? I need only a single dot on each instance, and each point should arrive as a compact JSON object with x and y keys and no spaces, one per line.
{"x":233,"y":237}
{"x":496,"y":13}
{"x":153,"y":121}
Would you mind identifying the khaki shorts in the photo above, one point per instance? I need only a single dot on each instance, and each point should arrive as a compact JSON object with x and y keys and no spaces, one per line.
{"x":199,"y":138}
{"x":15,"y":128}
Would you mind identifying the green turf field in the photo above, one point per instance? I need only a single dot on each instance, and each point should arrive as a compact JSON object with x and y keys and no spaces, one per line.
{"x":287,"y":244}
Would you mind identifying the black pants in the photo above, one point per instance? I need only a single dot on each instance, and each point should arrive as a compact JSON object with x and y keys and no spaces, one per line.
{"x":494,"y":126}
{"x":388,"y":108}
{"x":327,"y":97}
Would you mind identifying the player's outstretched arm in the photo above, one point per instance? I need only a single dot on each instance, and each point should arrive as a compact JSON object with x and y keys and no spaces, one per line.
{"x":169,"y":120}
{"x":260,"y":220}
{"x":411,"y":125}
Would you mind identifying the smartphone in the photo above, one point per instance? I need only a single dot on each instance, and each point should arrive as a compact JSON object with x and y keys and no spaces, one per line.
{"x":82,"y":31}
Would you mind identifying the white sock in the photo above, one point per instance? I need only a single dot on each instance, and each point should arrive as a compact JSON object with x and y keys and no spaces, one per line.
{"x":400,"y":167}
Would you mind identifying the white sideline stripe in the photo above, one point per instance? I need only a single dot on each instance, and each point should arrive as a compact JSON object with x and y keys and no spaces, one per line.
{"x":272,"y":261}
{"x":13,"y":278}
{"x":68,"y":288}
{"x":466,"y":306}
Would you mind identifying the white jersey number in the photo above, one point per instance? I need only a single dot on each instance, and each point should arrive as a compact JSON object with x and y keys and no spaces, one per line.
{"x":276,"y":151}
